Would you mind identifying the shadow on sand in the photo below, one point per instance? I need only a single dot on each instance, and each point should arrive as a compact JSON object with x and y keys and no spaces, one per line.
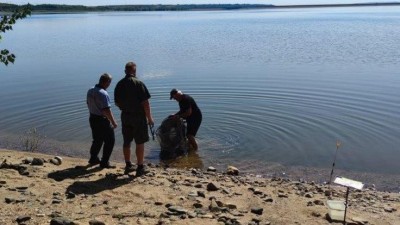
{"x":108,"y":182}
{"x":72,"y":173}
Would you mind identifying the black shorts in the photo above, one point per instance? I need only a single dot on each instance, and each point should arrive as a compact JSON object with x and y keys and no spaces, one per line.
{"x":134,"y":128}
{"x":193,"y":125}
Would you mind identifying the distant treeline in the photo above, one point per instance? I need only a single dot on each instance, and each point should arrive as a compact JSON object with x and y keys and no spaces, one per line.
{"x":80,"y":8}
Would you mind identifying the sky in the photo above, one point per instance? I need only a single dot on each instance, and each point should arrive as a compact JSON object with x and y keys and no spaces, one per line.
{"x":134,"y":2}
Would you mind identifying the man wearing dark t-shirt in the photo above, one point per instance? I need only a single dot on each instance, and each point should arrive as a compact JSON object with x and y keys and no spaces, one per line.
{"x":188,"y":110}
{"x":132,"y":98}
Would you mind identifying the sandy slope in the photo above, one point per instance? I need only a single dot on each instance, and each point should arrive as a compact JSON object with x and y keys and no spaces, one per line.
{"x":74,"y":192}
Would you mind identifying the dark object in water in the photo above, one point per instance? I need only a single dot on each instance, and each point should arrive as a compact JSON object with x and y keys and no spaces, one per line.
{"x":171,"y":136}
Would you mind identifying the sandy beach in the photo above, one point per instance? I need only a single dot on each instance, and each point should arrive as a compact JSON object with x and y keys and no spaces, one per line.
{"x":36,"y":189}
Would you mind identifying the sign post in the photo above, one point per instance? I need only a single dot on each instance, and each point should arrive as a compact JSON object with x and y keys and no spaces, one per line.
{"x":348,"y":184}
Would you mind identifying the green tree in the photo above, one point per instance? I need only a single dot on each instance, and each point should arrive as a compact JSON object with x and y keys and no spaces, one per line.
{"x":6,"y":23}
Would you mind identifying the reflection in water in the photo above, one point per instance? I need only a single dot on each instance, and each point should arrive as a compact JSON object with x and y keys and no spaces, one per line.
{"x":189,"y":160}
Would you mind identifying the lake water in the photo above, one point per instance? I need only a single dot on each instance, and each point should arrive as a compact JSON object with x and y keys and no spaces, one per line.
{"x":276,"y":87}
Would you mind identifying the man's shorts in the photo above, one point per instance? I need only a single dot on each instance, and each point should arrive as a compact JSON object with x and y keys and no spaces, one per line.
{"x":134,"y":128}
{"x":193,"y":126}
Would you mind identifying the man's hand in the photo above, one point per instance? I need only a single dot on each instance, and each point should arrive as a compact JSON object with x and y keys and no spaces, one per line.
{"x":114,"y":125}
{"x":150,"y":121}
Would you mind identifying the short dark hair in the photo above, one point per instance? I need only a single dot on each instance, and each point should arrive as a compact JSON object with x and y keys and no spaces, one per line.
{"x":105,"y":78}
{"x":130,"y":65}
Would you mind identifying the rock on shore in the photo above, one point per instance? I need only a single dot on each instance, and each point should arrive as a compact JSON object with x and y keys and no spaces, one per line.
{"x":43,"y":189}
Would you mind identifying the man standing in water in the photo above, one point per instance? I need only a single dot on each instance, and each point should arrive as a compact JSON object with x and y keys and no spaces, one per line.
{"x":132,"y":98}
{"x":101,"y":121}
{"x":189,"y":111}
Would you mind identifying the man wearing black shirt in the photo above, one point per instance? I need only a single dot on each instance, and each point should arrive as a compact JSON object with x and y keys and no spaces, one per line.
{"x":132,"y":97}
{"x":188,"y":110}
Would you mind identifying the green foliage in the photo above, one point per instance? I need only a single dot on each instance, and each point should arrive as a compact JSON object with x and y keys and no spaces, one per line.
{"x":6,"y":23}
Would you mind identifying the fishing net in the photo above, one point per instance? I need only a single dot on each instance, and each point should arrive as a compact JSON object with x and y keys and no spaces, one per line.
{"x":171,"y":135}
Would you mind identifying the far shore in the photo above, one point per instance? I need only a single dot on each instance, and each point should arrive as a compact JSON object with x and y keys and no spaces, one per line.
{"x":57,"y":8}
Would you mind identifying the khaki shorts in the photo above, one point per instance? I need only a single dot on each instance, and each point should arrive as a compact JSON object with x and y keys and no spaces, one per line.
{"x":134,"y":128}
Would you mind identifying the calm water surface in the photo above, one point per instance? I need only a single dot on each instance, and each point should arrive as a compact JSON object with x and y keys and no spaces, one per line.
{"x":275,"y":86}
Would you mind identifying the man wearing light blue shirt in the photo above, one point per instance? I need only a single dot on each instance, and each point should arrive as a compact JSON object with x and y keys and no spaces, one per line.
{"x":101,"y":121}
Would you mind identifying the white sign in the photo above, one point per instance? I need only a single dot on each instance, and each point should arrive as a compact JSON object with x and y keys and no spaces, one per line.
{"x":348,"y":183}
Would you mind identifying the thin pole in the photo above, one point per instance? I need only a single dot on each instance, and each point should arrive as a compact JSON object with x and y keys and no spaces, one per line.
{"x":334,"y":160}
{"x":345,"y":206}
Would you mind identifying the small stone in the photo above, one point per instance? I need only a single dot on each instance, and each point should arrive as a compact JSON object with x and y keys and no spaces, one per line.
{"x":316,"y":214}
{"x":231,"y":206}
{"x":257,"y":210}
{"x":212,"y":187}
{"x":257,"y":191}
{"x":309,"y":195}
{"x":37,"y":162}
{"x":226,"y":191}
{"x":193,"y":194}
{"x":192,"y":215}
{"x":61,"y":221}
{"x":21,"y":188}
{"x":96,"y":222}
{"x":177,"y":209}
{"x":389,"y":209}
{"x":22,"y":219}
{"x":23,"y":172}
{"x":211,"y":169}
{"x":318,"y":202}
{"x":28,"y":160}
{"x":54,"y":162}
{"x":56,"y":201}
{"x":213,"y":207}
{"x":282,"y":195}
{"x":232,"y":171}
{"x":70,"y":195}
{"x":201,"y":194}
{"x":9,"y":200}
{"x":197,"y":205}
{"x":207,"y":216}
{"x":59,"y":159}
{"x":268,"y":200}
{"x":20,"y":200}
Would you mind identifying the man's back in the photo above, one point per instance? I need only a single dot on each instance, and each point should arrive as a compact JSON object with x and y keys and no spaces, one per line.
{"x":188,"y":102}
{"x":129,"y":93}
{"x":97,"y":99}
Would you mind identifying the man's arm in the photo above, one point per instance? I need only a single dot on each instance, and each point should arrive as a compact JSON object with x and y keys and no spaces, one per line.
{"x":186,"y":113}
{"x":147,"y":111}
{"x":107,"y":113}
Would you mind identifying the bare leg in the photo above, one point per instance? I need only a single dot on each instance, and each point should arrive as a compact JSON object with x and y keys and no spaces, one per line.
{"x":140,"y":153}
{"x":127,"y":153}
{"x":192,"y":142}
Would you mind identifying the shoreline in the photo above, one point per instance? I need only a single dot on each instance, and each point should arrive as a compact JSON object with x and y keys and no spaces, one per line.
{"x":74,"y":192}
{"x":381,"y":181}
